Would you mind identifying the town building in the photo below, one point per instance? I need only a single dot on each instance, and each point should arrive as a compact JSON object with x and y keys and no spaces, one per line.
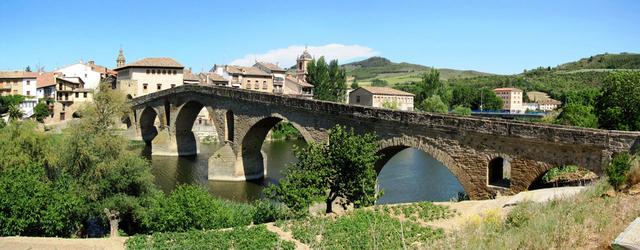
{"x":542,"y":101}
{"x":189,"y":77}
{"x":381,"y":97}
{"x":89,"y":72}
{"x":277,"y":74}
{"x":531,"y":106}
{"x":71,"y":96}
{"x":20,"y":83}
{"x":296,"y":87}
{"x":148,"y":75}
{"x":213,"y":79}
{"x":46,"y":85}
{"x":301,"y":65}
{"x":511,"y":98}
{"x":250,"y":78}
{"x":549,"y":104}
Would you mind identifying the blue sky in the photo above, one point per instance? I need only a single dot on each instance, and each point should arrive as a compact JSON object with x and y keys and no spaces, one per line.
{"x":492,"y":36}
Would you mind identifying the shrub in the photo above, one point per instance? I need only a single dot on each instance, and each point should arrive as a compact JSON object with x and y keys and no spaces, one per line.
{"x":192,"y":207}
{"x":266,"y":211}
{"x":362,"y":229}
{"x":461,"y":110}
{"x":618,"y":169}
{"x":30,"y":205}
{"x":238,"y":238}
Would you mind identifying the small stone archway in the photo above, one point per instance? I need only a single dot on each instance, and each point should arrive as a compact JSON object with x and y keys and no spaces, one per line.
{"x":186,"y":141}
{"x":390,"y":147}
{"x":253,"y":161}
{"x":147,"y":120}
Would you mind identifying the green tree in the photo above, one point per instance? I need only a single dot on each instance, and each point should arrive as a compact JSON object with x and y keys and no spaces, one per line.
{"x":379,"y":83}
{"x":15,"y":113}
{"x":8,"y":101}
{"x":461,"y":110}
{"x":578,"y":115}
{"x":111,"y":175}
{"x":342,"y":168}
{"x":41,"y":111}
{"x":618,"y":169}
{"x":354,"y":84}
{"x":619,"y":105}
{"x":338,"y":81}
{"x":434,"y":104}
{"x":329,"y":80}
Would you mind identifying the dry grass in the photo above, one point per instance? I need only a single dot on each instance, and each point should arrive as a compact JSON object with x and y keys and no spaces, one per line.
{"x":588,"y":220}
{"x":633,"y":177}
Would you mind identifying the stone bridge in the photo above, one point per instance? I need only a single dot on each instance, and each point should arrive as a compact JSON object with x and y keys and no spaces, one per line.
{"x":485,"y":155}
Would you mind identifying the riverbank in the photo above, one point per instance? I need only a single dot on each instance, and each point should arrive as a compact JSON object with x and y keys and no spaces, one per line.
{"x":424,"y":222}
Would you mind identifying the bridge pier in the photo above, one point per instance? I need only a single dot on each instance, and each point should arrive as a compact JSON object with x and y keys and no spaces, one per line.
{"x":225,"y":165}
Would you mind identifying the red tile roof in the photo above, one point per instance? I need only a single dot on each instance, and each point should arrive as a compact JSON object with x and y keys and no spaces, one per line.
{"x":46,"y":79}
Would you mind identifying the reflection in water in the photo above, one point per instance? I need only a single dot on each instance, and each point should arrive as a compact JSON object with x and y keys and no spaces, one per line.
{"x":170,"y":171}
{"x":413,"y":175}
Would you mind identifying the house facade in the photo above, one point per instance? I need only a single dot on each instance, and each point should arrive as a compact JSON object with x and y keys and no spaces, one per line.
{"x":277,"y":74}
{"x":250,"y":78}
{"x":89,"y":72}
{"x":70,"y":96}
{"x":149,"y":75}
{"x":512,"y":99}
{"x":20,"y":83}
{"x":380,"y":97}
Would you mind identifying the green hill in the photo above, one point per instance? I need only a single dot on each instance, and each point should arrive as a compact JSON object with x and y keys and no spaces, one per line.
{"x":393,"y":73}
{"x":604,"y":61}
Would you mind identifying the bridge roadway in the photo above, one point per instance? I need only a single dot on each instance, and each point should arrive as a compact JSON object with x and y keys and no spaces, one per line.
{"x":486,"y":155}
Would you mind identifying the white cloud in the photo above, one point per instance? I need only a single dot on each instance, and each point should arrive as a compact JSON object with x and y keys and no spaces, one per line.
{"x":286,"y":57}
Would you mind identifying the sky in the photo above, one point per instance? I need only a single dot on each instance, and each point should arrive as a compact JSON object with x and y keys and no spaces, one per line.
{"x":495,"y":36}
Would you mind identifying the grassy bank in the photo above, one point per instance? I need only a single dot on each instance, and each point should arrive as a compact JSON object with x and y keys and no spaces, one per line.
{"x":589,"y":220}
{"x":257,"y":237}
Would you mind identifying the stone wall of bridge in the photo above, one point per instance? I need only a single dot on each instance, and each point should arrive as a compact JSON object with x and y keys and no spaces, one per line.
{"x":466,"y":145}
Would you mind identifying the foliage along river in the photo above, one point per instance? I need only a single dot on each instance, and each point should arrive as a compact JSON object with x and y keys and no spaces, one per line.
{"x":410,"y":175}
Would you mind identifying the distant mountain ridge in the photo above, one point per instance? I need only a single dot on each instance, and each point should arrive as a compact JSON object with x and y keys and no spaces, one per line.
{"x":382,"y":68}
{"x":604,"y":61}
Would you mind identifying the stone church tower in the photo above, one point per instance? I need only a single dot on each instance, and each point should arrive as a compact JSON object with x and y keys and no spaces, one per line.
{"x":120,"y":62}
{"x":301,"y":66}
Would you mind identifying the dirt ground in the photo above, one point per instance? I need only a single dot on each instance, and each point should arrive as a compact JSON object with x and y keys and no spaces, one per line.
{"x":37,"y":243}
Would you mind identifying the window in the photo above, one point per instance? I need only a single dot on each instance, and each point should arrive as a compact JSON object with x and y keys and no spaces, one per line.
{"x":148,"y":71}
{"x":85,"y":75}
{"x":153,"y":71}
{"x":144,"y":86}
{"x":28,"y":92}
{"x":264,"y":84}
{"x":174,"y":71}
{"x":28,"y":82}
{"x":256,"y":85}
{"x":159,"y":86}
{"x":77,"y":94}
{"x":85,"y":95}
{"x":164,"y":72}
{"x":357,"y":99}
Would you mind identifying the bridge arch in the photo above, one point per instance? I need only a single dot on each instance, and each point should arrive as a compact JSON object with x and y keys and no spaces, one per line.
{"x":185,"y":119}
{"x":251,"y":146}
{"x":147,"y":120}
{"x":390,"y":147}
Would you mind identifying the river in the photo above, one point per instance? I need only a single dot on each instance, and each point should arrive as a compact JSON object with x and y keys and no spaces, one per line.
{"x":410,"y":175}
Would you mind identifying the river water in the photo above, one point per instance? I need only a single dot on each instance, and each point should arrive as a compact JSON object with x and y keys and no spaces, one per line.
{"x":410,"y":175}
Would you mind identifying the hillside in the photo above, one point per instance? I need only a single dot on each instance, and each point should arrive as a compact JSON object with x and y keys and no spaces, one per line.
{"x":604,"y":61}
{"x":381,"y":68}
